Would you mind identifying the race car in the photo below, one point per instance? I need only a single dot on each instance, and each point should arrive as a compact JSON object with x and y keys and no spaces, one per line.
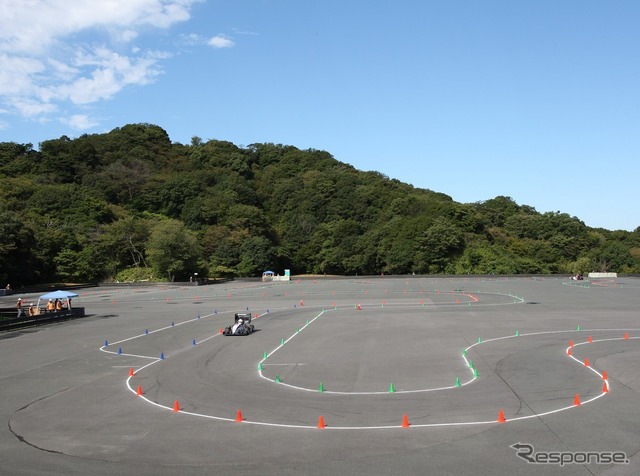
{"x":242,"y":326}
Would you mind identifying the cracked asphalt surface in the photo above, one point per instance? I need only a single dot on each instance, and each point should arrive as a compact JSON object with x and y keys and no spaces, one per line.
{"x":364,"y":355}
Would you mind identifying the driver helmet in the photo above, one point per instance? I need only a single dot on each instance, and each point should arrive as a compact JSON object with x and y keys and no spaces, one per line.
{"x":240,"y":321}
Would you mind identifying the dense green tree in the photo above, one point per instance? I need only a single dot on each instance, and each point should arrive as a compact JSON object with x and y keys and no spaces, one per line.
{"x":612,"y":257}
{"x":120,"y":182}
{"x":78,"y":266}
{"x":257,"y":254}
{"x":438,"y":246}
{"x":85,"y":208}
{"x":17,"y":261}
{"x":122,"y":244}
{"x":173,"y":250}
{"x":497,"y":210}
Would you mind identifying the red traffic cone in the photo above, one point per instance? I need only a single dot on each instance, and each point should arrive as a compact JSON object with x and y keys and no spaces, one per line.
{"x":569,"y":351}
{"x":626,"y":335}
{"x":605,"y":388}
{"x":321,"y":424}
{"x":589,"y":339}
{"x":405,"y":421}
{"x":239,"y":417}
{"x":220,"y":331}
{"x":139,"y":391}
{"x":176,"y":406}
{"x":131,"y":372}
{"x":576,"y":400}
{"x":501,"y":418}
{"x":604,"y":375}
{"x":586,"y":362}
{"x":570,"y":343}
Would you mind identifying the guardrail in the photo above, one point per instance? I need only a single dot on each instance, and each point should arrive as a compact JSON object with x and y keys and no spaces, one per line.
{"x":10,"y":321}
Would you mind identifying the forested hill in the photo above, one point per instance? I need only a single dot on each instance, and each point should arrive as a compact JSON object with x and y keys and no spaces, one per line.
{"x":130,"y":204}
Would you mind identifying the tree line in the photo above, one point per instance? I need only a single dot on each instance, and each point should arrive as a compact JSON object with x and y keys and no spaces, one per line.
{"x":132,"y":205}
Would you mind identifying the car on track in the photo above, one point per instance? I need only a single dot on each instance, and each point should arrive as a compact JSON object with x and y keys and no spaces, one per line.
{"x":241,"y":327}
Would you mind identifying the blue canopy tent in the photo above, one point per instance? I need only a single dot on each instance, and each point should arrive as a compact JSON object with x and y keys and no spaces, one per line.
{"x":62,"y":295}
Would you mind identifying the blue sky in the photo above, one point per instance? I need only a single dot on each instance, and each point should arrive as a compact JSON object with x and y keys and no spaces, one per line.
{"x":536,"y":100}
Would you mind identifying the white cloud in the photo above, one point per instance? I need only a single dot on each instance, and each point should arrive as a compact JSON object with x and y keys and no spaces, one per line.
{"x":244,"y":32}
{"x":31,"y":108}
{"x":107,"y":73}
{"x":218,"y":41}
{"x":221,"y":41}
{"x":191,"y":39}
{"x":30,"y":26}
{"x":78,"y":51}
{"x":79,"y":121}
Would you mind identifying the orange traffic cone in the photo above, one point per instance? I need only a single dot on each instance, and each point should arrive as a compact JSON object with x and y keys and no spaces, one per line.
{"x":239,"y":417}
{"x":501,"y":418}
{"x":405,"y":421}
{"x":139,"y":391}
{"x":626,"y":335}
{"x":176,"y":406}
{"x":586,"y":362}
{"x":605,"y":388}
{"x":576,"y":400}
{"x":604,"y":375}
{"x":590,"y":339}
{"x":131,"y":372}
{"x":321,"y":422}
{"x":569,"y":351}
{"x":570,"y":343}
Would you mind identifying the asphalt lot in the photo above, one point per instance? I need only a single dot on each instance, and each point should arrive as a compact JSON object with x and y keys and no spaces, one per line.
{"x":409,"y":376}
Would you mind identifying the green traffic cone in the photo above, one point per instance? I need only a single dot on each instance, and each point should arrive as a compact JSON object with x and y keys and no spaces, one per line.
{"x":278,"y":378}
{"x":321,"y":387}
{"x":264,"y":356}
{"x":457,"y":381}
{"x":260,"y":366}
{"x":470,"y":363}
{"x":517,"y":333}
{"x":579,"y":327}
{"x":392,"y":389}
{"x":475,"y":372}
{"x":479,"y":340}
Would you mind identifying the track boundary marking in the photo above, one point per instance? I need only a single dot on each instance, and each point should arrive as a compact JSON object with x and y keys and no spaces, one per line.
{"x":606,"y":388}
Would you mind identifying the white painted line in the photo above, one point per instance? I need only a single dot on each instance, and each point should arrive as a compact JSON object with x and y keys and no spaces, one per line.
{"x":385,"y":427}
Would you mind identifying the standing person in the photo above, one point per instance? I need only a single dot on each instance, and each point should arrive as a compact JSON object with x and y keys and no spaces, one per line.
{"x":19,"y":307}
